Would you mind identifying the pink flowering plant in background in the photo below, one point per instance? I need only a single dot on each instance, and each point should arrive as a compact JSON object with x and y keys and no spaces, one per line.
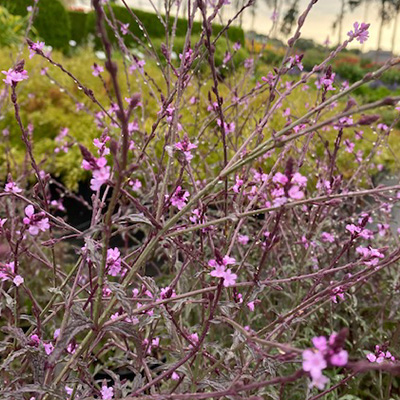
{"x":218,"y":242}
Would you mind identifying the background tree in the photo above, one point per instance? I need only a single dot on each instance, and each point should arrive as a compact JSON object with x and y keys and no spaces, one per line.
{"x":385,"y":13}
{"x":396,"y":8}
{"x":290,"y":17}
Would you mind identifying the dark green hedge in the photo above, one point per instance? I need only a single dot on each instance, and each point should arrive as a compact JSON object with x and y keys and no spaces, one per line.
{"x":52,"y":22}
{"x":56,"y":26}
{"x":78,"y":26}
{"x":154,"y":27}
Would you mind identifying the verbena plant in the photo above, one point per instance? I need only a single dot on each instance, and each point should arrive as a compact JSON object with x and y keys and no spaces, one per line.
{"x":226,"y":256}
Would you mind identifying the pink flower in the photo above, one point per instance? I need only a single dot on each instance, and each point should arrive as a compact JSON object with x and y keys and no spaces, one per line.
{"x":185,"y":146}
{"x":12,"y":187}
{"x":228,"y":260}
{"x":136,"y":184}
{"x":35,"y":339}
{"x":227,"y":58}
{"x":339,"y":359}
{"x":107,"y":393}
{"x":337,"y":293}
{"x":113,"y":261}
{"x":218,"y":272}
{"x":371,"y":357}
{"x":175,"y":376}
{"x":313,"y":362}
{"x":349,"y":146}
{"x":12,"y":76}
{"x":229,"y":278}
{"x":68,"y":390}
{"x":100,"y":177}
{"x":101,"y":145}
{"x":187,"y":56}
{"x":251,"y":305}
{"x":7,"y":270}
{"x":248,"y":63}
{"x":320,"y":343}
{"x":97,"y":69}
{"x":353,"y":229}
{"x":320,"y":381}
{"x":36,"y":222}
{"x":34,"y":48}
{"x":295,"y":193}
{"x":299,"y":179}
{"x":360,"y":32}
{"x":167,"y":292}
{"x":48,"y":348}
{"x":238,"y":185}
{"x":124,"y":29}
{"x":137,"y":65}
{"x":194,"y":337}
{"x":18,"y":280}
{"x":280,"y":178}
{"x":243,"y":239}
{"x":229,"y":127}
{"x":327,"y":237}
{"x":236,"y":46}
{"x":179,"y":198}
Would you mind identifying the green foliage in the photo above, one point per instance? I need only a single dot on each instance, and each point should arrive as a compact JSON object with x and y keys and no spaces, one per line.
{"x":78,"y":26}
{"x":349,"y":72}
{"x":307,"y":44}
{"x":271,"y":57}
{"x":391,"y":77}
{"x":311,"y":58}
{"x":369,"y":94}
{"x":51,"y":23}
{"x":11,"y":28}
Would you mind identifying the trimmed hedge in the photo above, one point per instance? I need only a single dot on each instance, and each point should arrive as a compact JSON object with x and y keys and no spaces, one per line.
{"x":51,"y":23}
{"x":57,"y":26}
{"x":154,"y":26}
{"x":78,"y":26}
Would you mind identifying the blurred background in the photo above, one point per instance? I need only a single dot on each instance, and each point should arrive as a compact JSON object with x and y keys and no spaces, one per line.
{"x":330,"y":19}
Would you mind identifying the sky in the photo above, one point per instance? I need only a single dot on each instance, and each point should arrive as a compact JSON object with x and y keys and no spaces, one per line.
{"x":318,"y":26}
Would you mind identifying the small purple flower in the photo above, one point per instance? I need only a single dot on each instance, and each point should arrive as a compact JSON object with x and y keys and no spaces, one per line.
{"x":107,"y":393}
{"x":12,"y":76}
{"x":124,"y":29}
{"x":314,"y":362}
{"x":97,"y":69}
{"x":35,"y":48}
{"x":360,"y":32}
{"x":179,"y":198}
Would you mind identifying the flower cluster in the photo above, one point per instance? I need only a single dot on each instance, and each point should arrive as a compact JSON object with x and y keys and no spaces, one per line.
{"x":34,"y":48}
{"x":219,"y":264}
{"x":381,"y":354}
{"x":179,"y":198}
{"x":13,"y":76}
{"x":326,"y":352}
{"x":113,"y":262}
{"x":7,"y":272}
{"x":185,"y":146}
{"x":100,"y":170}
{"x":35,"y":222}
{"x":360,"y":32}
